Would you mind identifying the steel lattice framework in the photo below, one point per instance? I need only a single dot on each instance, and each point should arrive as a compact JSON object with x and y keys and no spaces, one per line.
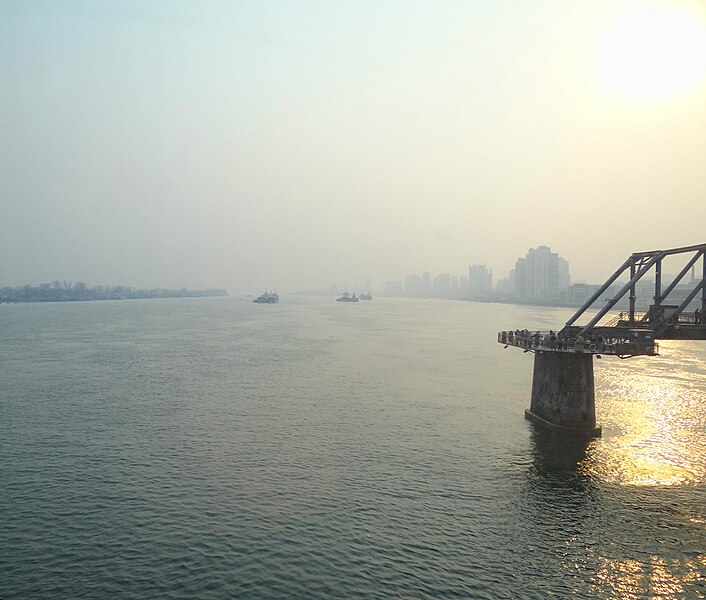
{"x":656,"y":318}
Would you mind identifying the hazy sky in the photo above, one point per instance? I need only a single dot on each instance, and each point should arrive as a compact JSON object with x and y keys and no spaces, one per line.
{"x":299,"y":144}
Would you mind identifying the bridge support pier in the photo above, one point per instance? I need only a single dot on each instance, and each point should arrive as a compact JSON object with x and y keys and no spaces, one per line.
{"x":563,"y":396}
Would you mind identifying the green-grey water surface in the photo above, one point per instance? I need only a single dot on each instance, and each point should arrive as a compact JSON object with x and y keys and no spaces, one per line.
{"x":214,"y":448}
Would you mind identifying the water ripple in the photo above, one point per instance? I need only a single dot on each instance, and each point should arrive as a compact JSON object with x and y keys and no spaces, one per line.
{"x":210,"y":449}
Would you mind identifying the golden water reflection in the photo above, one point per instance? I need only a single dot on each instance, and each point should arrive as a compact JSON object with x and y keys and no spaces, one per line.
{"x":638,"y":526}
{"x":655,"y":578}
{"x":653,"y":412}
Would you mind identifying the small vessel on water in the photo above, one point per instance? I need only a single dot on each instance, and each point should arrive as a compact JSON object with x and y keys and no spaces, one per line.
{"x":346,"y":297}
{"x":267,"y":298}
{"x":366,"y":296}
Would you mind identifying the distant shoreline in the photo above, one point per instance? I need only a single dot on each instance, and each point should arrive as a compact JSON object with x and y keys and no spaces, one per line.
{"x":80,"y":292}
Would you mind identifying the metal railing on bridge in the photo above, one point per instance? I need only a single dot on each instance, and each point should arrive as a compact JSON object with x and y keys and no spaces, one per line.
{"x":647,"y":319}
{"x":629,"y":342}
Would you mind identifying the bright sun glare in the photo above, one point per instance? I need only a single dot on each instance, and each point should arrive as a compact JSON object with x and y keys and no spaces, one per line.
{"x":655,"y":53}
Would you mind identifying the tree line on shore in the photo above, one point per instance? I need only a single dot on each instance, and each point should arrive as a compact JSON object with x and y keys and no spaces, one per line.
{"x":69,"y":291}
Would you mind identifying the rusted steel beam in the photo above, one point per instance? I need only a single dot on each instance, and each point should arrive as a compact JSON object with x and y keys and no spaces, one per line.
{"x":671,"y":251}
{"x":679,"y":277}
{"x":609,"y":305}
{"x":703,"y":289}
{"x":689,"y":298}
{"x":598,"y":293}
{"x":632,"y":297}
{"x":639,"y":263}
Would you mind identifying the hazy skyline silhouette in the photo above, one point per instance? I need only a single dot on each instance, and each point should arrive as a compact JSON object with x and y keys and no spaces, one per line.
{"x":293,"y":145}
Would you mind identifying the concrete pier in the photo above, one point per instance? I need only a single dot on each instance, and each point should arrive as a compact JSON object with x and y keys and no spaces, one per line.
{"x":563,"y":397}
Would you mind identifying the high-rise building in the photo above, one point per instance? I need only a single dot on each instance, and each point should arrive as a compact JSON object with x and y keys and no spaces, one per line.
{"x":541,"y":274}
{"x":442,"y":286}
{"x":463,"y":287}
{"x":413,"y":286}
{"x":426,"y":284}
{"x":480,"y":281}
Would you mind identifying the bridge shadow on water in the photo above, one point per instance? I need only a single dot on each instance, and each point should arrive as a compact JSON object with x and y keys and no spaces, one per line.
{"x":557,"y":453}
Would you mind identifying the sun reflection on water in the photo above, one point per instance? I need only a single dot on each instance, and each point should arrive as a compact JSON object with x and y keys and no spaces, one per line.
{"x":651,"y":578}
{"x":653,"y":412}
{"x":644,"y":536}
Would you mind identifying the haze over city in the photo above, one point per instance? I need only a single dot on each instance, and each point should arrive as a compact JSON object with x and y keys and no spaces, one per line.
{"x":299,"y":144}
{"x":323,"y":299}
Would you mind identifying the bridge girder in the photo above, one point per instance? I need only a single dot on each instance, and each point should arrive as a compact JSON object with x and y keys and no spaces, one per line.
{"x":639,"y":264}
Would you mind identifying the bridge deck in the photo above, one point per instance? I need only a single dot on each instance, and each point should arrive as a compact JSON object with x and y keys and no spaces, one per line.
{"x":618,"y":342}
{"x":618,"y":336}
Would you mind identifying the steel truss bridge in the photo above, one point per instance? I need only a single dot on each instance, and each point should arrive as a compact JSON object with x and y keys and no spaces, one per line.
{"x":630,"y":333}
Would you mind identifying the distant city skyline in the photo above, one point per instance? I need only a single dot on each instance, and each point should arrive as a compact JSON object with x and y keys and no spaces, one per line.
{"x":542,"y":282}
{"x":542,"y":273}
{"x":297,"y":145}
{"x":540,"y":276}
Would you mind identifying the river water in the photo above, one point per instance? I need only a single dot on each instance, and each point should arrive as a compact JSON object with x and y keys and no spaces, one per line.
{"x":215,"y":448}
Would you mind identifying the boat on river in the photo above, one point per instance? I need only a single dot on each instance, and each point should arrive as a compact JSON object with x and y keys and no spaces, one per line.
{"x":267,"y":298}
{"x":346,"y":297}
